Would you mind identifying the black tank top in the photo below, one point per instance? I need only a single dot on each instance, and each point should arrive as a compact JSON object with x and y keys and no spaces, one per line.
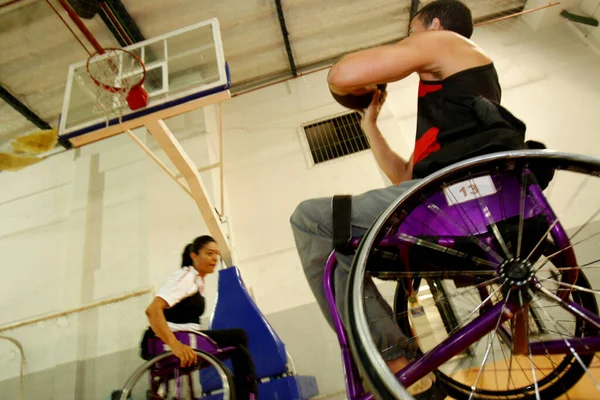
{"x":188,"y":310}
{"x":448,"y":125}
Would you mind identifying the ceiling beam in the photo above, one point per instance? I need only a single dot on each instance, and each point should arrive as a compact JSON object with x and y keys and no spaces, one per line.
{"x":125,"y":20}
{"x":113,"y":29}
{"x":23,"y":109}
{"x":286,"y":37}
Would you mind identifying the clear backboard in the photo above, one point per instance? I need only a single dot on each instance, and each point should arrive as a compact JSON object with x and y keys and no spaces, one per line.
{"x":181,"y":67}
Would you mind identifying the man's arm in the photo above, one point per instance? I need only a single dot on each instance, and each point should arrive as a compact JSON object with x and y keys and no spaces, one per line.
{"x":396,"y":168}
{"x":356,"y":72}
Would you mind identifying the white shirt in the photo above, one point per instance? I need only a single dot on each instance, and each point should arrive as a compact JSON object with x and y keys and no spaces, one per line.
{"x":181,"y":284}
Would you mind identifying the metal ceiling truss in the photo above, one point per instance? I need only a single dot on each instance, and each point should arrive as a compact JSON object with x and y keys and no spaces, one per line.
{"x":23,"y":109}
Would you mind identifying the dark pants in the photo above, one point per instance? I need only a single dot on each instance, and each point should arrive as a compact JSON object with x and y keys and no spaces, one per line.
{"x":244,"y":375}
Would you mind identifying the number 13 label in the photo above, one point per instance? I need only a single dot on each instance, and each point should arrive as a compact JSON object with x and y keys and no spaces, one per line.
{"x":469,"y":190}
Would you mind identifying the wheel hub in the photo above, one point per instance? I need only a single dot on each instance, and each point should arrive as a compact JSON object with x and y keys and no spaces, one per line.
{"x":516,"y":273}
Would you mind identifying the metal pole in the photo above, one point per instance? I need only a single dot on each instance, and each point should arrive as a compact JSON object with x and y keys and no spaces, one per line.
{"x":221,"y":172}
{"x":75,"y":18}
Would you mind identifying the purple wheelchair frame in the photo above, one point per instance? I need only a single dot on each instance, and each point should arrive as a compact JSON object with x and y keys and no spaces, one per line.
{"x":169,"y":368}
{"x":489,"y":319}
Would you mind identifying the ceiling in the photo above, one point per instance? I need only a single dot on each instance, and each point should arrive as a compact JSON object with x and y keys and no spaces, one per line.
{"x":36,"y":48}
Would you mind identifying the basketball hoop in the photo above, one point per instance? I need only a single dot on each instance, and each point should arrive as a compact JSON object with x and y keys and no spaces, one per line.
{"x":118,"y":75}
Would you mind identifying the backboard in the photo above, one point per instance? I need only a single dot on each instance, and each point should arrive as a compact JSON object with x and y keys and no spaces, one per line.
{"x":183,"y":69}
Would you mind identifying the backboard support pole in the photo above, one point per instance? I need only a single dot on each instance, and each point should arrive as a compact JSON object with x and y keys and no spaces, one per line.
{"x":153,"y":156}
{"x":221,"y":173}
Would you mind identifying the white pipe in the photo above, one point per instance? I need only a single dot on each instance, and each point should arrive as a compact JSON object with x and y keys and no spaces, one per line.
{"x":22,"y":367}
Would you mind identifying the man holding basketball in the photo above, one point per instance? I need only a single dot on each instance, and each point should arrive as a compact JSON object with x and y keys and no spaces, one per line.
{"x":456,"y":77}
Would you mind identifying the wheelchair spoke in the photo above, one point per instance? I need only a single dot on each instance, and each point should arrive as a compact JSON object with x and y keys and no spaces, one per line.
{"x":512,"y":350}
{"x":590,"y":264}
{"x":548,"y":258}
{"x":464,"y":213}
{"x":539,"y":339}
{"x":434,"y":274}
{"x":434,"y":208}
{"x":495,"y":369}
{"x":533,"y":366}
{"x":576,"y":193}
{"x":459,"y":294}
{"x":542,"y":240}
{"x":582,"y":227}
{"x":404,"y":238}
{"x":487,"y":214}
{"x":552,"y":297}
{"x":521,"y":212}
{"x":501,"y":197}
{"x":512,"y":357}
{"x":487,"y":352}
{"x":513,"y":325}
{"x":508,"y":366}
{"x":576,"y":287}
{"x":557,"y":332}
{"x":578,"y":268}
{"x":572,"y":350}
{"x":459,"y":325}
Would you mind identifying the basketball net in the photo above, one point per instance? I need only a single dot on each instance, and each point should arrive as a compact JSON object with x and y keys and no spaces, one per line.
{"x":118,"y":75}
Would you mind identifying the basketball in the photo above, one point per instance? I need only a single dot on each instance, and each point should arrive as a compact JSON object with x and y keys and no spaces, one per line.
{"x":357,"y":102}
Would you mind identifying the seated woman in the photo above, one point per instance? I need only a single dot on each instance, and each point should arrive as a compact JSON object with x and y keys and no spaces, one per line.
{"x":178,"y":306}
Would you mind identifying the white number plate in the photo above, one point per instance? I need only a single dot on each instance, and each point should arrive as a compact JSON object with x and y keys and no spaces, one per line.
{"x":469,"y":190}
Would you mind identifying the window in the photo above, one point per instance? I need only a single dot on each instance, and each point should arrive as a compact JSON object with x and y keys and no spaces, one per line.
{"x":335,"y":137}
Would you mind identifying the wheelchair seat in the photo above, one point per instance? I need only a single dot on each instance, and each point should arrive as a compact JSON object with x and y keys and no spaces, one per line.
{"x":154,"y":346}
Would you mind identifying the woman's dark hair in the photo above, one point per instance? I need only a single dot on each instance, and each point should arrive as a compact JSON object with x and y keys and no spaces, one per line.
{"x":453,"y":15}
{"x":194,"y":247}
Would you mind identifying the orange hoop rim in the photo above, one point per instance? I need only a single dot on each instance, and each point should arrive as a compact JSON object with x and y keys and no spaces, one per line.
{"x":109,"y":88}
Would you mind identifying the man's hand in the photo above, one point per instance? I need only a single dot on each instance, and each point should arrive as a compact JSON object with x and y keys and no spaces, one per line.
{"x":185,"y":353}
{"x":370,"y":115}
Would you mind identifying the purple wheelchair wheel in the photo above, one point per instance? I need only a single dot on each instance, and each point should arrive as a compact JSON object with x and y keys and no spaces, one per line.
{"x":498,"y":292}
{"x":163,"y":378}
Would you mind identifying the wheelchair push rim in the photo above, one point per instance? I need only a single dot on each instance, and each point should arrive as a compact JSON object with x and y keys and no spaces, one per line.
{"x":205,"y":360}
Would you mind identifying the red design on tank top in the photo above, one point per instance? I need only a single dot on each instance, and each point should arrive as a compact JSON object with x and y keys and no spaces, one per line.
{"x":425,"y":89}
{"x":426,"y":144}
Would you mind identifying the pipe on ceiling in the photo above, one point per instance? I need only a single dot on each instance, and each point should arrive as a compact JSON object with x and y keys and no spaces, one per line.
{"x":286,"y":37}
